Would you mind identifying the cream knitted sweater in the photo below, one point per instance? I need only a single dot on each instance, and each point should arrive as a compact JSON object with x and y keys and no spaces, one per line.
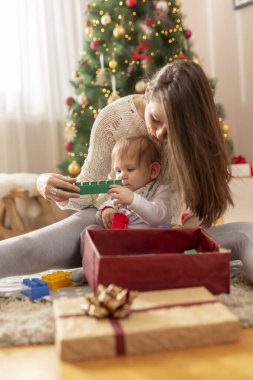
{"x":116,"y":120}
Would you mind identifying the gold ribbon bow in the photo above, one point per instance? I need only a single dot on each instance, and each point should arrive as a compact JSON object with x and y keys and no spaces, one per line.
{"x":111,"y":301}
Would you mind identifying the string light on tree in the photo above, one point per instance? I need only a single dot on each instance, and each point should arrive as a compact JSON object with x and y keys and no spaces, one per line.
{"x":225,"y":129}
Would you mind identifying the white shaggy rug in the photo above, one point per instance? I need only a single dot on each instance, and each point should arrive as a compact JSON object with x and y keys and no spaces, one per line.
{"x":25,"y":322}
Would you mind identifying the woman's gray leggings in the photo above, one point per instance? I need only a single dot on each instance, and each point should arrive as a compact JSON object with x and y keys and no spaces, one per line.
{"x":58,"y":245}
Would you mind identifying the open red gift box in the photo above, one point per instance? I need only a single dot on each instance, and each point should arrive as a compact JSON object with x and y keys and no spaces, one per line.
{"x":154,"y":259}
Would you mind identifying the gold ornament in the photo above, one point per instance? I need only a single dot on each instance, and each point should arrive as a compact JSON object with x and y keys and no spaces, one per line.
{"x":76,"y":74}
{"x":140,"y":86}
{"x":83,"y":100}
{"x":119,"y":31}
{"x":106,"y":19}
{"x":225,"y":129}
{"x":114,"y":96}
{"x":74,"y":168}
{"x":113,"y":64}
{"x":178,"y":3}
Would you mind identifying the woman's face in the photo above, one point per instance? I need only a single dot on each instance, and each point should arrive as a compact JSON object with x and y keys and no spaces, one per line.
{"x":155,"y":119}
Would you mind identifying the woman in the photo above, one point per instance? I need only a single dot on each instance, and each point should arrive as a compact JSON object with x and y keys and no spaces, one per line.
{"x":178,"y":112}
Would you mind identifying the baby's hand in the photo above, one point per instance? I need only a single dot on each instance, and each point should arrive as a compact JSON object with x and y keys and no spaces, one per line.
{"x":121,"y":195}
{"x":107,"y":216}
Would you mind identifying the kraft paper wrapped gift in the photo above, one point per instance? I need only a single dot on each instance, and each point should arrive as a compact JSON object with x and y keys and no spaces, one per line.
{"x":154,"y":259}
{"x":159,"y":321}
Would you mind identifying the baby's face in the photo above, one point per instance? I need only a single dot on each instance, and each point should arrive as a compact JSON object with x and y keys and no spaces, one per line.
{"x":133,"y":174}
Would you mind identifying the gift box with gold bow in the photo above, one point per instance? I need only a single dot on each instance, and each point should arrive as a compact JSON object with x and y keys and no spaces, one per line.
{"x":155,"y":259}
{"x":115,"y":321}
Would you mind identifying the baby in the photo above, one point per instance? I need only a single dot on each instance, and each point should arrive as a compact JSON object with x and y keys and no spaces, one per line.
{"x":136,"y":161}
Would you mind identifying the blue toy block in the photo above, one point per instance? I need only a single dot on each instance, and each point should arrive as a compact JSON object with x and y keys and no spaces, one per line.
{"x":34,"y":288}
{"x":94,"y":187}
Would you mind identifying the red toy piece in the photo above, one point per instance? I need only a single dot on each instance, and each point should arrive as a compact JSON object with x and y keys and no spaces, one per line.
{"x":119,"y":221}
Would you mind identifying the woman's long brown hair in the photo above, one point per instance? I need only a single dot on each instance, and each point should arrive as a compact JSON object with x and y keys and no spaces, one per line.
{"x":195,"y":139}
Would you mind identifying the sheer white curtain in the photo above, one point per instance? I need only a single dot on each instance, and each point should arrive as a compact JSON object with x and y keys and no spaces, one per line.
{"x":40,"y":44}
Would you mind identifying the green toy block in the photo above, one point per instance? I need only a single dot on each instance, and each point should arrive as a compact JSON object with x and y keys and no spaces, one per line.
{"x":190,"y":251}
{"x":94,"y":187}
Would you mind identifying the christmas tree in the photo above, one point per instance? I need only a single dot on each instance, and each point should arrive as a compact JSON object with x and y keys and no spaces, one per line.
{"x":125,"y":42}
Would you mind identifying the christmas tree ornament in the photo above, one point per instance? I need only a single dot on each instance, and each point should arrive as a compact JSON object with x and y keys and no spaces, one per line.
{"x":113,"y":64}
{"x":69,"y":101}
{"x":181,"y":56}
{"x":162,"y":5}
{"x":187,"y":33}
{"x":141,"y":86}
{"x":68,"y":146}
{"x":178,"y":3}
{"x":225,"y":129}
{"x":140,"y":53}
{"x":76,"y":74}
{"x":106,"y":19}
{"x":83,"y":100}
{"x":131,"y":3}
{"x":119,"y":31}
{"x":70,"y":131}
{"x":101,"y":78}
{"x":74,"y":168}
{"x":114,"y":95}
{"x":149,"y":21}
{"x":147,"y":30}
{"x":94,"y":44}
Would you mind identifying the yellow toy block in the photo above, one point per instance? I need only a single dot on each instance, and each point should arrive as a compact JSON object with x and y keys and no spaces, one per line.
{"x":57,"y":280}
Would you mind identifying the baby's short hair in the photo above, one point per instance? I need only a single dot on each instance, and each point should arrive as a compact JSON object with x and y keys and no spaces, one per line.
{"x":143,"y":148}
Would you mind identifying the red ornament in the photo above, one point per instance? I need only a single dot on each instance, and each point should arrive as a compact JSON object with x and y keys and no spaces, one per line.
{"x":187,"y":33}
{"x":131,"y":3}
{"x":84,"y":61}
{"x":94,"y":44}
{"x":149,"y":21}
{"x":87,"y":23}
{"x":69,"y":101}
{"x":68,"y":146}
{"x":181,"y":56}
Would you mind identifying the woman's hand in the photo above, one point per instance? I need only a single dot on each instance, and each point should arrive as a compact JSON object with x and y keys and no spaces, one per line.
{"x":121,"y":195}
{"x":107,"y":215}
{"x":48,"y":185}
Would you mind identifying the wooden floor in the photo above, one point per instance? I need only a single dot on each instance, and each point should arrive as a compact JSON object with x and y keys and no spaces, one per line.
{"x":226,"y":362}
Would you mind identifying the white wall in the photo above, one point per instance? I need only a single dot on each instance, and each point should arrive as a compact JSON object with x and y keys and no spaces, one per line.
{"x":223,"y":40}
